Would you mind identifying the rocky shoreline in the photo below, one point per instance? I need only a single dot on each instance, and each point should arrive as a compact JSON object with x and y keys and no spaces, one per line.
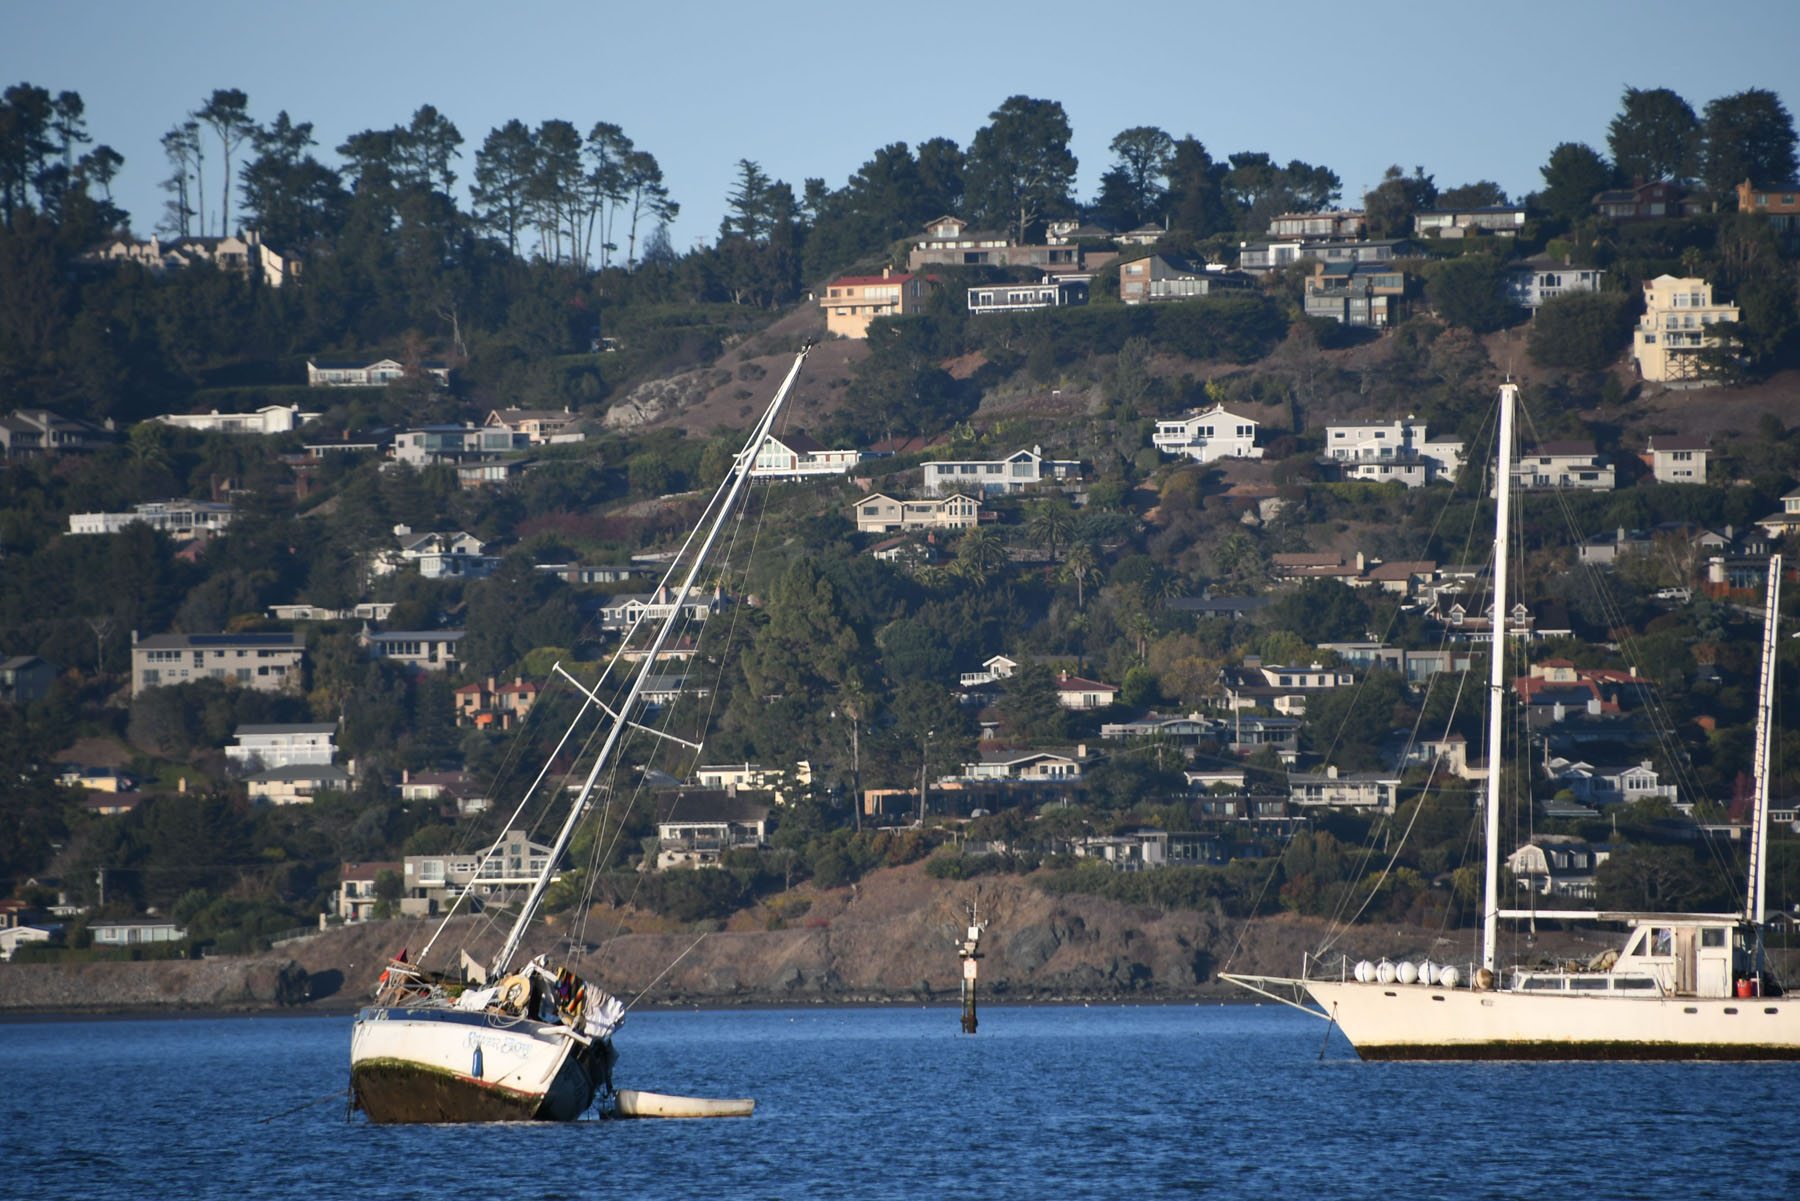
{"x":889,"y":940}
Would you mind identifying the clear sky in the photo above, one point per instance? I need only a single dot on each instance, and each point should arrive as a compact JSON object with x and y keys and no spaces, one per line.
{"x":1468,"y":91}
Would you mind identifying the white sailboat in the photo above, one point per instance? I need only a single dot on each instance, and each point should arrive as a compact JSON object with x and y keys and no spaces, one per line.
{"x":1683,"y":986}
{"x":537,"y":1042}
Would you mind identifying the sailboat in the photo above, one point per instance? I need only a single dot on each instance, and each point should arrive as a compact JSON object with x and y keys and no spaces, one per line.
{"x":1682,"y":986}
{"x":516,"y":1041}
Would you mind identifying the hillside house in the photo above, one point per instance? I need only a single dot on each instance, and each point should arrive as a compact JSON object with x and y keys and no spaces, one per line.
{"x":1677,"y":326}
{"x":1344,"y":790}
{"x":296,"y":784}
{"x":851,"y":302}
{"x":797,"y":456}
{"x":1532,"y":281}
{"x":1674,"y":459}
{"x":270,"y":419}
{"x":1330,"y":225}
{"x":376,"y":374}
{"x":422,"y":650}
{"x":1017,"y":472}
{"x":180,"y":519}
{"x":356,"y":889}
{"x":696,"y":826}
{"x":540,"y":427}
{"x":495,"y":873}
{"x":950,"y":242}
{"x":487,"y":704}
{"x":25,"y":678}
{"x":1208,"y":435}
{"x":1562,"y":465}
{"x":1401,"y":441}
{"x":265,"y":662}
{"x":1496,"y":220}
{"x":1077,"y":693}
{"x":1351,"y":293}
{"x":284,"y":744}
{"x":1778,"y":204}
{"x":1557,"y":865}
{"x":1164,"y":277}
{"x":1658,"y":200}
{"x":882,"y":514}
{"x":1051,"y":292}
{"x":29,"y":433}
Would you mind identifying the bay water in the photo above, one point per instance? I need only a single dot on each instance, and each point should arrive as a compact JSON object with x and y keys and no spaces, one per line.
{"x":1063,"y":1103}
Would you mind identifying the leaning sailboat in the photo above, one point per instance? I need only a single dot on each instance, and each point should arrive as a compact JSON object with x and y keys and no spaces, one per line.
{"x":1682,"y":986}
{"x":513,"y":1040}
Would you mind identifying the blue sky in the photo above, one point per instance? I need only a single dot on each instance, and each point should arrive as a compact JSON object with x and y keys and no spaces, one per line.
{"x":810,"y":89}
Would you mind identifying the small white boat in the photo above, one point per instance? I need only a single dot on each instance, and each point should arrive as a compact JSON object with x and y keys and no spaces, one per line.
{"x":635,"y":1103}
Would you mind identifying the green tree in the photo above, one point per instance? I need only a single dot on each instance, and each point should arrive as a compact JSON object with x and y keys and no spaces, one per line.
{"x":1142,"y":156}
{"x":1031,"y":704}
{"x":1747,"y":136}
{"x":1655,"y":136}
{"x":1052,"y":523}
{"x":226,"y":114}
{"x":1573,"y":176}
{"x":1582,"y":331}
{"x":1390,"y":206}
{"x":1483,"y":193}
{"x":1019,"y":168}
{"x":1470,"y":291}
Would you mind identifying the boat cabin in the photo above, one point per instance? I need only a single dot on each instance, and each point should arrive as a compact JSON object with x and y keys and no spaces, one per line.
{"x":1665,"y":955}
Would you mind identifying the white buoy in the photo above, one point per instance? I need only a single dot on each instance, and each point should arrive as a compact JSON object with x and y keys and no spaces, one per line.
{"x":1385,"y":972}
{"x":1365,"y":971}
{"x":1428,"y":972}
{"x":1449,"y":977}
{"x":1408,"y":972}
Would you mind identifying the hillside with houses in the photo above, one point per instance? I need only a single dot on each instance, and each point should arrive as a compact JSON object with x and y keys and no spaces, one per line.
{"x":1131,"y":549}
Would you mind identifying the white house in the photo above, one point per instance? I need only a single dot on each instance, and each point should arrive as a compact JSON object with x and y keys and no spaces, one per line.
{"x":265,"y":662}
{"x":356,"y":889}
{"x":1562,"y":466}
{"x":270,"y":419}
{"x":285,"y":744}
{"x":1074,"y":692}
{"x":447,"y":554}
{"x":1530,"y":282}
{"x":796,"y":456}
{"x":428,"y":650}
{"x":1360,"y":449}
{"x":694,"y":827}
{"x":1777,"y":524}
{"x":180,"y":519}
{"x":1215,"y":433}
{"x":340,"y":374}
{"x":1354,"y":790}
{"x":1677,"y":460}
{"x":1557,"y":865}
{"x":990,"y":477}
{"x":432,"y":881}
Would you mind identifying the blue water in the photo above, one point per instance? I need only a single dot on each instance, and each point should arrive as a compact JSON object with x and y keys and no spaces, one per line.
{"x":1059,"y":1103}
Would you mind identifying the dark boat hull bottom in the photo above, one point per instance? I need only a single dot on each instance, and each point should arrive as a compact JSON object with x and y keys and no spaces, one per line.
{"x":1583,"y":1051}
{"x":391,"y":1092}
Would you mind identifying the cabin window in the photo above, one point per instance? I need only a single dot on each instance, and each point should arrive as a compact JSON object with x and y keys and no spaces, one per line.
{"x":1637,"y":944}
{"x":1662,"y":941}
{"x":1712,"y":937}
{"x":1543,"y":984}
{"x":1634,"y":982}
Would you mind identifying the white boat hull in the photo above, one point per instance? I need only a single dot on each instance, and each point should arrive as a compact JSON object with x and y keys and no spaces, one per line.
{"x":1397,"y":1021}
{"x":635,"y":1103}
{"x":433,"y":1064}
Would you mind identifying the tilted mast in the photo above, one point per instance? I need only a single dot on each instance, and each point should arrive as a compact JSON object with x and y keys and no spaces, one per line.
{"x":1765,"y":701}
{"x":725,"y":502}
{"x":1490,"y":899}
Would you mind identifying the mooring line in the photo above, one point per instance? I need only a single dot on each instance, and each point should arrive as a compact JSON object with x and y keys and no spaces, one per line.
{"x":666,"y":971}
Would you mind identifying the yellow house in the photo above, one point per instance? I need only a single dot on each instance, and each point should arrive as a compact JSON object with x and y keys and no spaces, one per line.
{"x":852,"y":302}
{"x":1676,"y":326}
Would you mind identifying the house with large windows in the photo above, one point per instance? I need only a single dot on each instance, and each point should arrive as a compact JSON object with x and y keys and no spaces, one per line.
{"x":1530,"y":282}
{"x":1215,"y":433}
{"x":1678,"y":325}
{"x":265,"y":662}
{"x":1161,"y":277}
{"x":882,"y":514}
{"x":493,"y":874}
{"x":851,"y":302}
{"x":993,"y":477}
{"x":797,"y":457}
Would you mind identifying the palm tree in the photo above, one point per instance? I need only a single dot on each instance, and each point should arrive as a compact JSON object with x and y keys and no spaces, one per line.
{"x":1082,"y":564}
{"x":979,"y":554}
{"x":1052,"y":521}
